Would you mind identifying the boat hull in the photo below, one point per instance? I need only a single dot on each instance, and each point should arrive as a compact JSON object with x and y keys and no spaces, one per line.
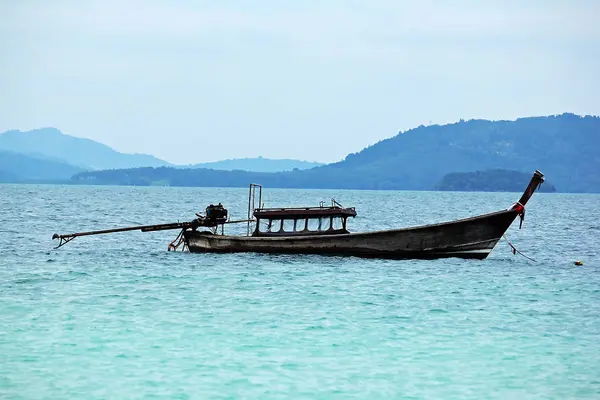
{"x":467,"y":238}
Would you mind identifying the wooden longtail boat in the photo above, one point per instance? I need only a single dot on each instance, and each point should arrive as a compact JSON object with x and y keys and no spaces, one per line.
{"x":473,"y":237}
{"x":323,"y":230}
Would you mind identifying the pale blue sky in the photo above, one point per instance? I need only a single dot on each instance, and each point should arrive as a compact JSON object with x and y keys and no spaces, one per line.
{"x":192,"y":81}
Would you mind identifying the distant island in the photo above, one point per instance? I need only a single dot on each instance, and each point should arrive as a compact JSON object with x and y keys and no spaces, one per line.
{"x":564,"y":147}
{"x":497,"y":180}
{"x":258,"y":164}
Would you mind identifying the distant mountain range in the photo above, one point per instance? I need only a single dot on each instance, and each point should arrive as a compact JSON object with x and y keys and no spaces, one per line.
{"x":564,"y":147}
{"x":49,"y":155}
{"x":258,"y":164}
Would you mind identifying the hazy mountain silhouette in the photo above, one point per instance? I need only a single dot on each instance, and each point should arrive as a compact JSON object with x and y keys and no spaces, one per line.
{"x":564,"y":147}
{"x":51,"y":144}
{"x":15,"y":167}
{"x":84,"y":153}
{"x":258,"y":164}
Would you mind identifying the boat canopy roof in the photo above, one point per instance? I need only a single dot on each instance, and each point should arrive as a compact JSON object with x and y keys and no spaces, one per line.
{"x":304,"y":212}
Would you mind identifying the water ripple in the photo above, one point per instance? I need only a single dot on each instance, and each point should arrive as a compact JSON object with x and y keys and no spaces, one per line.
{"x":120,"y":317}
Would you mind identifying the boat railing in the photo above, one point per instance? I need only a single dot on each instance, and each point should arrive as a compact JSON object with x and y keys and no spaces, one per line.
{"x":334,"y":203}
{"x":252,"y":203}
{"x":299,"y":208}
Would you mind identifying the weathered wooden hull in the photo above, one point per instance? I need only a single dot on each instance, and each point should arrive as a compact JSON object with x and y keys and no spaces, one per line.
{"x":467,"y":238}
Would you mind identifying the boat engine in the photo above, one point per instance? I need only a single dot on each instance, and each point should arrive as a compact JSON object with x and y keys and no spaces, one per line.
{"x":214,"y":215}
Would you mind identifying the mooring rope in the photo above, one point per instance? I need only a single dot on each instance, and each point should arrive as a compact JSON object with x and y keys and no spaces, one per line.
{"x":514,"y":249}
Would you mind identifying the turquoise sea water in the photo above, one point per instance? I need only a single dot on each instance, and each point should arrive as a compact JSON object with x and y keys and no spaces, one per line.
{"x":118,"y":316}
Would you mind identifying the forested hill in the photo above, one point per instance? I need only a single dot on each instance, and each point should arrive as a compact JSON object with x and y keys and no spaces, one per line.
{"x":496,"y":180}
{"x":563,"y":147}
